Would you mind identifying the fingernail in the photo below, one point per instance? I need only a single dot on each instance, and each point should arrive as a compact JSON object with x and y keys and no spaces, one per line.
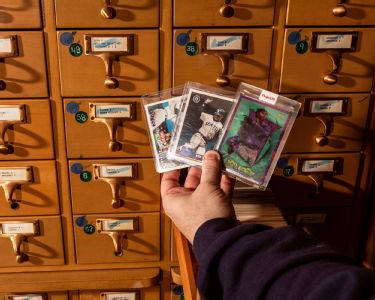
{"x":212,"y":155}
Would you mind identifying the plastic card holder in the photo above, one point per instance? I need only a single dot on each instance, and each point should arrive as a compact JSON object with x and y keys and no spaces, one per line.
{"x":255,"y":134}
{"x":161,"y":110}
{"x":200,"y":123}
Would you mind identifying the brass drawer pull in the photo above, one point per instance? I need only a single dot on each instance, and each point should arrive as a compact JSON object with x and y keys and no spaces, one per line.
{"x":226,"y":10}
{"x":108,"y":12}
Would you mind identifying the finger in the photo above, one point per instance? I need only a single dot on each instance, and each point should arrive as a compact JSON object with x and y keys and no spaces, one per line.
{"x":211,"y":170}
{"x":169,"y":181}
{"x":193,"y":178}
{"x":227,"y":185}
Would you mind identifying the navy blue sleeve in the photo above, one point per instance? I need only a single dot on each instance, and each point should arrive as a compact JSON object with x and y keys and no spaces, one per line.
{"x":253,"y":261}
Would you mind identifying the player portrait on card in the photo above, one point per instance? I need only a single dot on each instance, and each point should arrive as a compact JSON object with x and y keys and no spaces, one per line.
{"x":252,"y":138}
{"x":200,"y":124}
{"x":161,"y":118}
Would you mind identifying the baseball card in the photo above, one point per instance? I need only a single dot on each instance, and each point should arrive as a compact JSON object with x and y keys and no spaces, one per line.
{"x":252,"y":138}
{"x":161,"y":118}
{"x":200,"y":124}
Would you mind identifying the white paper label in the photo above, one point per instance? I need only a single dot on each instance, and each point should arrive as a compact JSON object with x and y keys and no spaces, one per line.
{"x":116,"y":171}
{"x":318,"y":165}
{"x":334,"y":41}
{"x":6,"y":45}
{"x":224,"y":42}
{"x":311,"y":218}
{"x":109,"y":44}
{"x":118,"y":225}
{"x":21,"y":228}
{"x":113,"y":111}
{"x":13,"y":174}
{"x":10,"y":114}
{"x":268,"y":97}
{"x":326,"y":106}
{"x":25,"y":297}
{"x":121,"y":296}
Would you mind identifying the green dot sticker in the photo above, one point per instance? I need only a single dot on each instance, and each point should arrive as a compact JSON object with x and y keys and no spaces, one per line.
{"x":89,"y":229}
{"x":75,"y":49}
{"x":81,"y":117}
{"x":302,"y":47}
{"x":192,"y":49}
{"x":85,"y":176}
{"x":288,"y":171}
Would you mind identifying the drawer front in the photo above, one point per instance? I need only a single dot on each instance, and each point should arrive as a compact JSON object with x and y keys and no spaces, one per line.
{"x":35,"y":296}
{"x":151,"y":293}
{"x":330,"y":225}
{"x":329,"y":123}
{"x":16,"y":14}
{"x":31,"y":137}
{"x":95,"y":14}
{"x":41,"y":246}
{"x":140,"y":245}
{"x":323,"y":12}
{"x":23,"y":72}
{"x":91,"y":122}
{"x":305,"y":69}
{"x":92,"y":192}
{"x":315,"y":179}
{"x":28,"y":188}
{"x":216,"y":13}
{"x":135,"y":70}
{"x":191,"y":64}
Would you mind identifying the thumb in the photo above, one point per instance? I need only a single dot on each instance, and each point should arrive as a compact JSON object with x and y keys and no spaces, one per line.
{"x":211,"y":169}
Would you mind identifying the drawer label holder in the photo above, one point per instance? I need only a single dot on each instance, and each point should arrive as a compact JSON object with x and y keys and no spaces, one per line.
{"x":117,"y":229}
{"x":8,"y":46}
{"x":27,"y":297}
{"x":224,"y":46}
{"x":18,"y":232}
{"x":113,"y":115}
{"x":120,"y":296}
{"x":115,"y":175}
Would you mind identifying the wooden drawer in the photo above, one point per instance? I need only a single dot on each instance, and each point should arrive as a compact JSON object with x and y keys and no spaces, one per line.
{"x":28,"y":188}
{"x":316,"y":179}
{"x":41,"y":244}
{"x":23,"y":72}
{"x":17,"y":14}
{"x":136,"y":186}
{"x":35,"y":296}
{"x":151,"y":293}
{"x":31,"y":137}
{"x":212,"y":13}
{"x":307,"y":70}
{"x":119,"y":14}
{"x":329,"y":123}
{"x":251,"y":67}
{"x":329,"y":12}
{"x":115,"y":246}
{"x":90,"y":121}
{"x":135,"y":70}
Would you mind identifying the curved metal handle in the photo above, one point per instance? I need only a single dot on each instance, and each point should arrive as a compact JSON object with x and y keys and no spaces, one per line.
{"x":109,"y":82}
{"x":322,"y":139}
{"x":318,"y":180}
{"x":223,"y":79}
{"x":107,"y":11}
{"x":339,"y":11}
{"x":115,"y":185}
{"x":118,"y":238}
{"x":112,"y":125}
{"x":226,"y":10}
{"x":9,"y":188}
{"x":331,"y":78}
{"x":5,"y":147}
{"x":17,"y":240}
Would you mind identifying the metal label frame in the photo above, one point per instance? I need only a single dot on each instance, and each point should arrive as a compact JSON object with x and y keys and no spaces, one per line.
{"x":92,"y":112}
{"x":103,"y":295}
{"x":245,"y":43}
{"x":99,"y":225}
{"x":130,"y":44}
{"x":320,"y":218}
{"x":307,"y":102}
{"x":338,"y":165}
{"x":22,"y":109}
{"x":14,"y":46}
{"x":353,"y":47}
{"x":42,"y":295}
{"x":98,"y":176}
{"x":35,"y":224}
{"x":29,"y":174}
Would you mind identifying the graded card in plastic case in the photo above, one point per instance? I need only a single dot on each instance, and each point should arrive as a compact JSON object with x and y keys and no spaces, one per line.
{"x":255,"y":134}
{"x":200,"y":122}
{"x":161,"y":110}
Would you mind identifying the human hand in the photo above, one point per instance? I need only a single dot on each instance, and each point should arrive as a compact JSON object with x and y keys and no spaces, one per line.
{"x":206,"y":194}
